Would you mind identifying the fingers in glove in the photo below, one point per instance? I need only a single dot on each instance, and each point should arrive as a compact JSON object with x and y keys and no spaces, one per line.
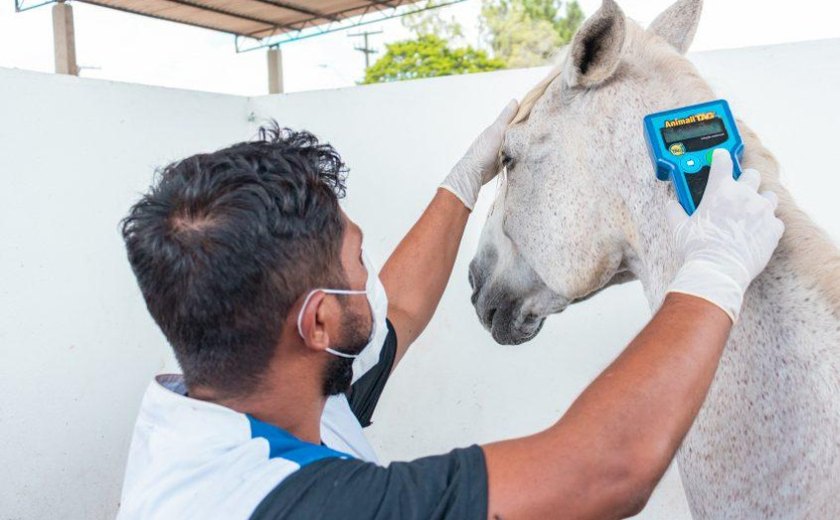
{"x":780,"y":228}
{"x":772,"y":198}
{"x":751,"y":178}
{"x":507,"y":114}
{"x":490,"y":140}
{"x":721,"y":167}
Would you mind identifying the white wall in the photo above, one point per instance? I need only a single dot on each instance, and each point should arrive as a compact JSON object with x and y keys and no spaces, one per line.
{"x":76,"y":345}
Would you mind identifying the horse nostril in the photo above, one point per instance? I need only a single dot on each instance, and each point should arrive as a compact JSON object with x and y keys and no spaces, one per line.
{"x":488,"y":319}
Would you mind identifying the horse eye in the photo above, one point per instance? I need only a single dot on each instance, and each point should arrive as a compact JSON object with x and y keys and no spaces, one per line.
{"x":507,"y":161}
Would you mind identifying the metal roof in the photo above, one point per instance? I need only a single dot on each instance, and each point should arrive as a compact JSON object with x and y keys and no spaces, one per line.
{"x":267,"y":22}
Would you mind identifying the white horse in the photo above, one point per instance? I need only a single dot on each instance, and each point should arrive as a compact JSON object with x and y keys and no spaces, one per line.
{"x":580,"y":209}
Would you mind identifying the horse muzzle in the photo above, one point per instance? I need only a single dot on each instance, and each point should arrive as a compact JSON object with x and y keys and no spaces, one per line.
{"x":513,"y":315}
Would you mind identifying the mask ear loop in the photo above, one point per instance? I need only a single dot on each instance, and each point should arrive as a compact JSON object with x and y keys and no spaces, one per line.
{"x":306,"y":302}
{"x":341,"y":354}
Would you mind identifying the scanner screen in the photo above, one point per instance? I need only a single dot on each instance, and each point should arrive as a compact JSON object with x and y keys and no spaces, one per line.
{"x":701,"y":129}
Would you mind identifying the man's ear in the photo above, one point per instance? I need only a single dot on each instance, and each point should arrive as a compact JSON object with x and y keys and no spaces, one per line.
{"x":313,"y":321}
{"x":677,"y":25}
{"x":597,"y":47}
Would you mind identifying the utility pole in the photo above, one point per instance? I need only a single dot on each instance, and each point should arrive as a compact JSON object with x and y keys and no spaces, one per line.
{"x":366,"y":48}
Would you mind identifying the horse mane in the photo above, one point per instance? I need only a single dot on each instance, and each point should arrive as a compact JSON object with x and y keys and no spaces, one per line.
{"x":808,"y":247}
{"x":532,"y":96}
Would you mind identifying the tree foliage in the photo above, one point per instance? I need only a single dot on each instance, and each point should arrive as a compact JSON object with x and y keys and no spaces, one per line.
{"x":433,"y":20}
{"x":521,"y":33}
{"x":526,"y":33}
{"x":425,"y":57}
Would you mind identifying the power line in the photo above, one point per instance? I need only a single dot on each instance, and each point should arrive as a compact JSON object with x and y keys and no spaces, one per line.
{"x":366,"y":48}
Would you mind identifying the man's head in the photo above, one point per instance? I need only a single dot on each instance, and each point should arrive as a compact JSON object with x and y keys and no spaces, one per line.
{"x":225,"y":246}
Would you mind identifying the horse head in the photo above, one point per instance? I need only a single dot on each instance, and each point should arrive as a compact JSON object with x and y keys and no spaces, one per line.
{"x":578,"y":203}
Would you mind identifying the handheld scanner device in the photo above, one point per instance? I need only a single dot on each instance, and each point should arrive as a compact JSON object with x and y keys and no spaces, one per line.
{"x":681,"y":142}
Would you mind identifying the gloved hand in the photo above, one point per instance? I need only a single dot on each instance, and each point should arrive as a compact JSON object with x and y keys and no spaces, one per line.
{"x":728,"y":240}
{"x":480,"y":164}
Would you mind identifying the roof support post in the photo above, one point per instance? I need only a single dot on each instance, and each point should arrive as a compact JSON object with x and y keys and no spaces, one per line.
{"x":275,"y":70}
{"x":64,"y":39}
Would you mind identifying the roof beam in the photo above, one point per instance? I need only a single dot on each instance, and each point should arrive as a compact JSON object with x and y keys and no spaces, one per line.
{"x":386,"y":3}
{"x":233,"y":14}
{"x":298,"y":9}
{"x":274,"y":26}
{"x":375,"y":12}
{"x":156,"y":17}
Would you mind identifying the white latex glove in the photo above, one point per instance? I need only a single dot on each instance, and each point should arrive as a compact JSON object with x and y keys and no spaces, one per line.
{"x":480,"y":164}
{"x":728,"y":240}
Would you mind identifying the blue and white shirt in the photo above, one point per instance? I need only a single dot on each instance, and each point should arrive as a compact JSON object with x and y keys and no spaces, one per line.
{"x":195,"y":459}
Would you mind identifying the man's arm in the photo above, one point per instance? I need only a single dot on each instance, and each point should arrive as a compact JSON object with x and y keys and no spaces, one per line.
{"x":417,"y":272}
{"x":603,"y":458}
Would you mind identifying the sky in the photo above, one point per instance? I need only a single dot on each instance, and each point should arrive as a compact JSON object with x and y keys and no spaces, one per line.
{"x":119,"y":46}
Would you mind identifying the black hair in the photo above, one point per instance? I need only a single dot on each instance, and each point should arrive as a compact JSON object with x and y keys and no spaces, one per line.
{"x":224,"y":243}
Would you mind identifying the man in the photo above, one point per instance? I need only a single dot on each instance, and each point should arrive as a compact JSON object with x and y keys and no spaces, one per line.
{"x":286,"y":337}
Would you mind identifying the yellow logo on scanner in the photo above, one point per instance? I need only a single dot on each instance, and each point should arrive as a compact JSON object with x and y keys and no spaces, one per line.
{"x":695,"y":118}
{"x":677,"y":149}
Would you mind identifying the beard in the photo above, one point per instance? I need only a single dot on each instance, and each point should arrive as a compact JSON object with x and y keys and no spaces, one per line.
{"x":338,"y":373}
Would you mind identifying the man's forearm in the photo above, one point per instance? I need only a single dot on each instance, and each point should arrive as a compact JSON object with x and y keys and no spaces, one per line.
{"x":618,"y":437}
{"x":417,"y":272}
{"x":645,"y":402}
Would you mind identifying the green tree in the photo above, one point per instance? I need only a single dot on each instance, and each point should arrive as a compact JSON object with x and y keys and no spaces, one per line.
{"x":432,"y":20}
{"x":426,"y":57}
{"x":526,"y":33}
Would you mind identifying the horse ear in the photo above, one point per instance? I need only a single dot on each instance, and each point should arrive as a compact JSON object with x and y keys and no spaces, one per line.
{"x":598,"y":46}
{"x":678,"y":24}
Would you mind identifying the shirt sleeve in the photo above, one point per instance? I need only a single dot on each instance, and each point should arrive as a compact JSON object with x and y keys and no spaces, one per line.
{"x":364,"y":394}
{"x":450,"y":486}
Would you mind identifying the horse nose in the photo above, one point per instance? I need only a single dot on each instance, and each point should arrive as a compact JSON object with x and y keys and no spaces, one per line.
{"x":487,"y":317}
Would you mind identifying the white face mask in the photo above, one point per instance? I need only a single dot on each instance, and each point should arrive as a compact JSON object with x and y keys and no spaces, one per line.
{"x":368,"y":357}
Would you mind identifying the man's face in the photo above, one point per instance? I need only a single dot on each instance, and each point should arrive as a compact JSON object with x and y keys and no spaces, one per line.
{"x":356,"y":320}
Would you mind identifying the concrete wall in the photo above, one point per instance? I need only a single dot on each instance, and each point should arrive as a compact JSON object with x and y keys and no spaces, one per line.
{"x":76,"y":345}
